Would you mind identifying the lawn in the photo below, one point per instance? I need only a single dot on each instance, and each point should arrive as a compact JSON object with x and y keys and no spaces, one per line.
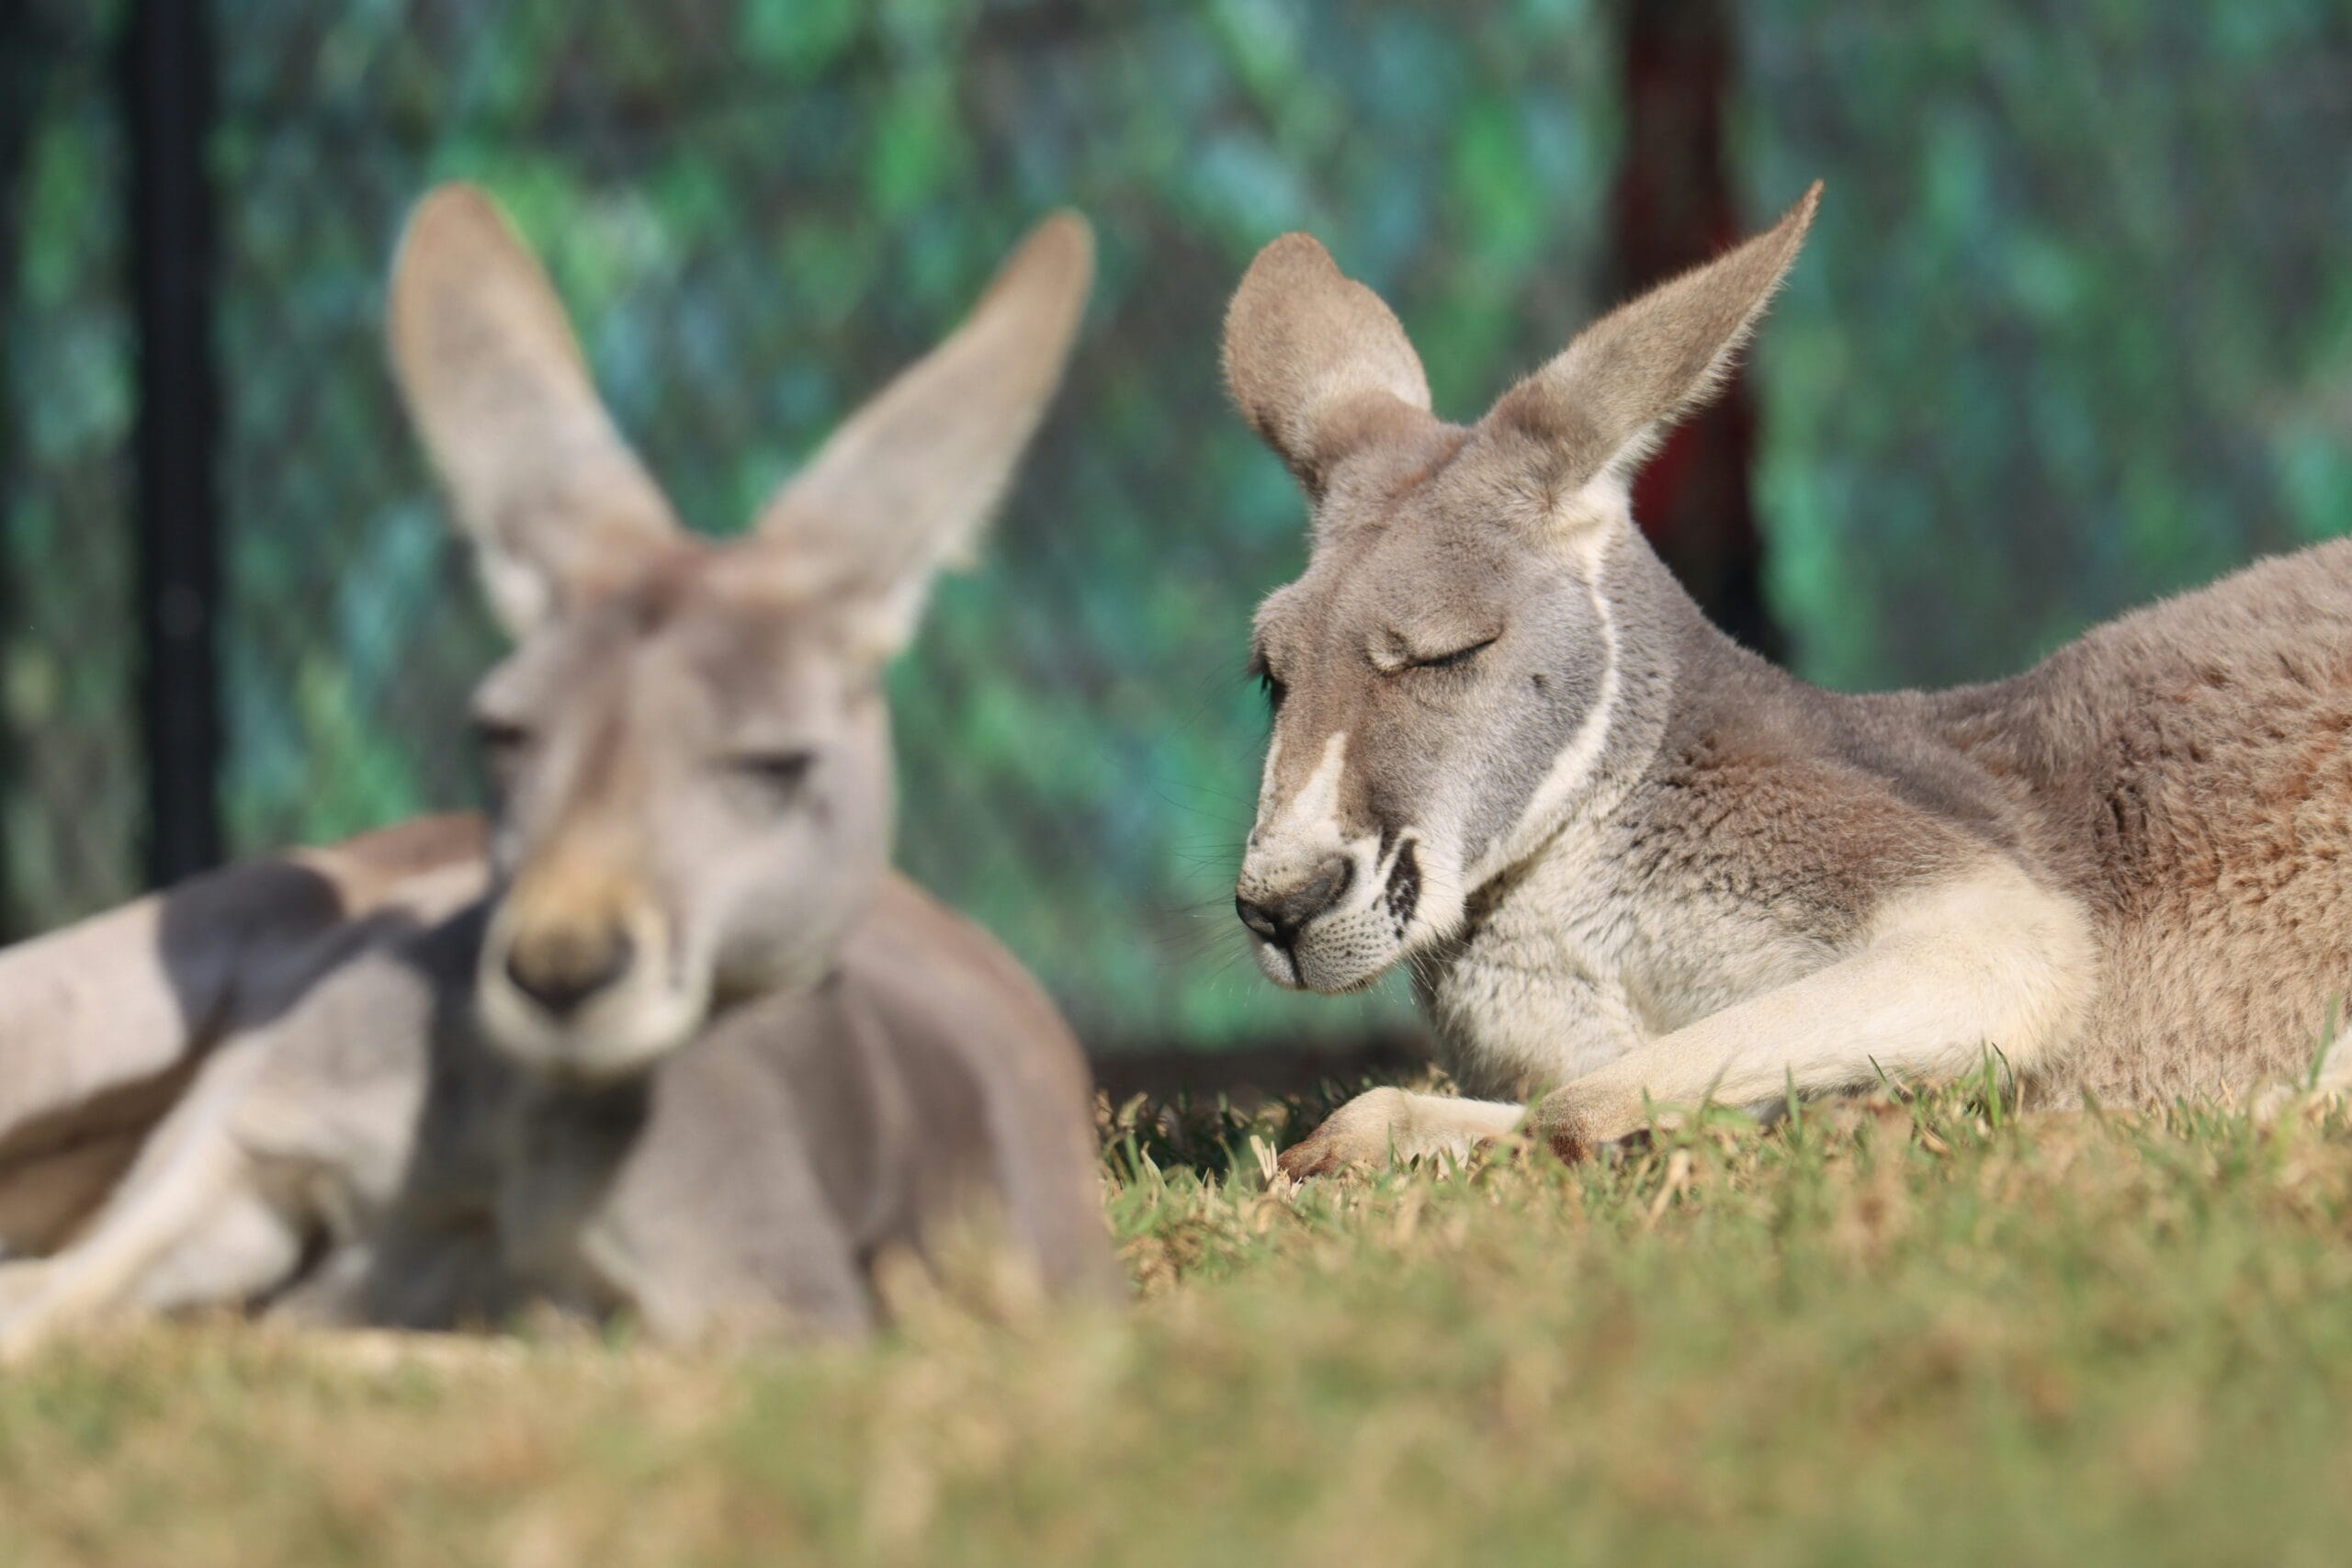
{"x":1906,"y":1332}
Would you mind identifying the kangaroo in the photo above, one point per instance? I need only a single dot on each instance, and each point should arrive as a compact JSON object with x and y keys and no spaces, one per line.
{"x":1630,"y":864}
{"x":108,"y":1019}
{"x":681,"y":1044}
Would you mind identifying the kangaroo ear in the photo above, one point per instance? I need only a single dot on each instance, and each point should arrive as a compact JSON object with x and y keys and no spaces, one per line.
{"x":1314,"y":361}
{"x":905,"y":485}
{"x":544,"y":486}
{"x":1608,"y":399}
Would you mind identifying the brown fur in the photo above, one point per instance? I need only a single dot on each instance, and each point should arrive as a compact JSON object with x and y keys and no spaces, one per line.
{"x":698,"y":1055}
{"x":1635,"y":864}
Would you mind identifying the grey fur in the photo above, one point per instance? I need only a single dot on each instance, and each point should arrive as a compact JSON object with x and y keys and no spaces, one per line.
{"x":2123,"y":869}
{"x":784,"y":1064}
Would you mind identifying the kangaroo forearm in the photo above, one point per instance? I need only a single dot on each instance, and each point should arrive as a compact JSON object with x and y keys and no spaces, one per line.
{"x":1925,"y":1004}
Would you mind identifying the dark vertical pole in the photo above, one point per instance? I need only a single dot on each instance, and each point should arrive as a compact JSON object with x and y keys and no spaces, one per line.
{"x":1674,"y":209}
{"x":19,"y":73}
{"x":169,"y":85}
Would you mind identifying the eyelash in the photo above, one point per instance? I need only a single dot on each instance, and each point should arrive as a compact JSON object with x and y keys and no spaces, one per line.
{"x":782,"y":773}
{"x":1275,"y":691}
{"x":1454,"y":660}
{"x":499,"y":741}
{"x":1268,"y":683}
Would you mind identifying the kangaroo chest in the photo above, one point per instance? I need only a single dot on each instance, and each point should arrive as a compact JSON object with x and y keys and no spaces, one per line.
{"x":1587,"y":954}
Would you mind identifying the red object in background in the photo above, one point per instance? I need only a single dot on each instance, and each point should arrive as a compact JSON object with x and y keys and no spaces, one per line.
{"x":1675,"y":210}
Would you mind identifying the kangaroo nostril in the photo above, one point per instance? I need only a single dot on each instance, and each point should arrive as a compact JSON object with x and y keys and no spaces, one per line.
{"x":561,"y":973}
{"x":1259,"y":918}
{"x":1281,"y":917}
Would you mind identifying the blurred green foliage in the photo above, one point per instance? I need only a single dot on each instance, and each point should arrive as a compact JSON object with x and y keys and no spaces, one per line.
{"x":2074,"y":329}
{"x":2077,"y":328}
{"x":70,"y":808}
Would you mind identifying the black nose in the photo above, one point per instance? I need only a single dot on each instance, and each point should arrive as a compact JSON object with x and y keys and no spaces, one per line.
{"x":1281,"y":917}
{"x":562,"y":969}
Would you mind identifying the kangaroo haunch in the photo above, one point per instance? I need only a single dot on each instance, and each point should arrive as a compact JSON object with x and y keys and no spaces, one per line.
{"x":1632,"y":863}
{"x":685,"y":1046}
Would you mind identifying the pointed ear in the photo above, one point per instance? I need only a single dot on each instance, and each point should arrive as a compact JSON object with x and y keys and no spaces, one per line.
{"x":905,"y":486}
{"x":541,"y":482}
{"x":1605,"y":403}
{"x":1314,"y":361}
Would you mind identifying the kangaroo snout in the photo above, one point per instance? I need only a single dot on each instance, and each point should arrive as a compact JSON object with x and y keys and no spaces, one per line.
{"x":579,"y":974}
{"x":561,"y":967}
{"x":1279,"y":915}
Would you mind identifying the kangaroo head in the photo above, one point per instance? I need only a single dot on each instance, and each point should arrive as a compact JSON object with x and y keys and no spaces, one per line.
{"x":1444,"y":675}
{"x":689,"y":742}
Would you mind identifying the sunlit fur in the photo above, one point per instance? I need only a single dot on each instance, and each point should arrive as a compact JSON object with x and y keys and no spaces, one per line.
{"x":688,"y":1050}
{"x":1658,"y":871}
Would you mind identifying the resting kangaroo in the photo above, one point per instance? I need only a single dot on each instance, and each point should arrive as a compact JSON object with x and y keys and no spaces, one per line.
{"x":696,"y":1052}
{"x":1633,"y":864}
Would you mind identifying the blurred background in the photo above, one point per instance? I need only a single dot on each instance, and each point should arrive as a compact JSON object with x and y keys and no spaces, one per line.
{"x":2074,"y":329}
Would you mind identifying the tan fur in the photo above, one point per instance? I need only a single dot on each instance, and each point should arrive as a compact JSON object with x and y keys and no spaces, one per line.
{"x":564,"y":896}
{"x":502,"y":396}
{"x":567,"y":913}
{"x":1631,"y":863}
{"x":698,"y":1055}
{"x":1326,"y":372}
{"x":883,"y":525}
{"x":1603,"y":402}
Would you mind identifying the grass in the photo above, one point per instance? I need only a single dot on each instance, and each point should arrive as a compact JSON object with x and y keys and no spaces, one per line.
{"x":1900,"y":1331}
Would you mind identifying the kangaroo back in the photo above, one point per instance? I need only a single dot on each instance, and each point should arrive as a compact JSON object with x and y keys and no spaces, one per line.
{"x":1632,"y":862}
{"x":2186,"y":770}
{"x":698,"y":1054}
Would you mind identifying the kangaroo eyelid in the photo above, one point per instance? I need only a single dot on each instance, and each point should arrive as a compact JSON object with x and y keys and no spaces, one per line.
{"x":1449,"y":661}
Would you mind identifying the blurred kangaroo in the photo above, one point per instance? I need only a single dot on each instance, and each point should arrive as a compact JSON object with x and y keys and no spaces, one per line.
{"x":1633,"y":864}
{"x":685,"y":1046}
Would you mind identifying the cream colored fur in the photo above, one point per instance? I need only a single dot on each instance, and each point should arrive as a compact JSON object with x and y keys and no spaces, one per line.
{"x":1649,"y":871}
{"x":679,"y":1044}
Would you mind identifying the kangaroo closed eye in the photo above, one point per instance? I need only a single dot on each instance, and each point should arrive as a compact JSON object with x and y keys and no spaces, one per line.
{"x":1261,"y":671}
{"x":453,"y":1068}
{"x":782,"y":769}
{"x":500,"y":735}
{"x":1448,"y":660}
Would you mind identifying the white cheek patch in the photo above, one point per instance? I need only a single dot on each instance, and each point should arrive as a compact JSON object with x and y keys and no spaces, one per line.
{"x":1266,"y":781}
{"x":1315,"y":806}
{"x":520,"y":593}
{"x":1305,"y":829}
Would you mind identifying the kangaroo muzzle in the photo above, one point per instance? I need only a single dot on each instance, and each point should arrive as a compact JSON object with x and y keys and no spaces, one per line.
{"x":579,"y":974}
{"x":561,"y":967}
{"x":1278,"y":916}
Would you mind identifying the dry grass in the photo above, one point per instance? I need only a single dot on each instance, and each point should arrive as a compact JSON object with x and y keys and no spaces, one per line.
{"x":1894,"y":1332}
